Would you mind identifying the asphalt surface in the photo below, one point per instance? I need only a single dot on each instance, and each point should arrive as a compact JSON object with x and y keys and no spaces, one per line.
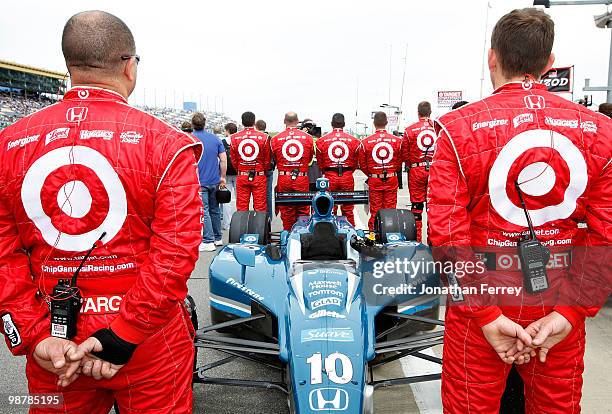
{"x":423,"y":399}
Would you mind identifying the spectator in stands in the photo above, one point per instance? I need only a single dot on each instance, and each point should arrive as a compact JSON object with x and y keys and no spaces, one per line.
{"x":260,"y":125}
{"x":606,"y":109}
{"x":212,"y":168}
{"x":186,"y":127}
{"x":229,"y":208}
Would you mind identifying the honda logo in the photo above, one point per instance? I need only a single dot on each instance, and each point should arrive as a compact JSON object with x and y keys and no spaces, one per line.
{"x":76,"y":114}
{"x":535,"y":102}
{"x":328,"y":399}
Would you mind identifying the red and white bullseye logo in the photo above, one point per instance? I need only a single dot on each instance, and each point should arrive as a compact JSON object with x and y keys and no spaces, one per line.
{"x":426,"y":140}
{"x":338,"y":151}
{"x":292,"y":150}
{"x":382,"y":153}
{"x":539,"y":180}
{"x":70,"y":213}
{"x":248,"y":149}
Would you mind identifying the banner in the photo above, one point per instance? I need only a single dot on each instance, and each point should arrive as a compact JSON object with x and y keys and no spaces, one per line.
{"x":559,"y":80}
{"x":446,"y":99}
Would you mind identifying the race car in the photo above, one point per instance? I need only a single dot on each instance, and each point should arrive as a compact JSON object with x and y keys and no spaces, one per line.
{"x":312,"y":304}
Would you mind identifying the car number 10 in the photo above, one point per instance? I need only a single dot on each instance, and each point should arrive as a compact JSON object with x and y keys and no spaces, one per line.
{"x":316,"y":368}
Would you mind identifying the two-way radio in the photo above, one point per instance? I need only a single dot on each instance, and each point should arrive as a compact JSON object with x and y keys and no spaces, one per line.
{"x":66,"y":301}
{"x":533,"y":255}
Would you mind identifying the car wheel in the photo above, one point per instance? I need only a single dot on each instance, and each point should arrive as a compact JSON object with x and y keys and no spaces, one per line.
{"x":250,"y":222}
{"x":391,"y":220}
{"x":191,"y":309}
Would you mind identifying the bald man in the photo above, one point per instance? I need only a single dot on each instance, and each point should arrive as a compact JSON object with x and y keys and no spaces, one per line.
{"x":293,"y":151}
{"x":93,"y":173}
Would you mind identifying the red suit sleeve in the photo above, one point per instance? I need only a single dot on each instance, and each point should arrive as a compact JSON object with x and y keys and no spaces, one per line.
{"x":25,"y":315}
{"x":234,"y":154}
{"x":405,"y":148}
{"x":449,"y":225}
{"x":589,"y":282}
{"x":361,"y":158}
{"x":320,"y":158}
{"x":267,"y":162}
{"x":176,"y":234}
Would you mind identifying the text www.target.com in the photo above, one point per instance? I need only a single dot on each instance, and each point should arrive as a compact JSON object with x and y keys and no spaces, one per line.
{"x":89,"y":268}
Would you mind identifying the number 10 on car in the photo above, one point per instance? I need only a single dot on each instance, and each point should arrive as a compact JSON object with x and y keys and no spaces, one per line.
{"x":318,"y":365}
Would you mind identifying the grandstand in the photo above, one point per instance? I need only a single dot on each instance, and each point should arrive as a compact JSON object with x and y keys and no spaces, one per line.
{"x":25,"y":89}
{"x":177,"y":116}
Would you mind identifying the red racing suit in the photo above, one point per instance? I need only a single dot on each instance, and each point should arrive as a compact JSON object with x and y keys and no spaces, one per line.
{"x":380,"y":157}
{"x":559,"y":153}
{"x":83,"y":166}
{"x":337,"y":157}
{"x":293,"y":151}
{"x":419,"y":145}
{"x":250,"y":154}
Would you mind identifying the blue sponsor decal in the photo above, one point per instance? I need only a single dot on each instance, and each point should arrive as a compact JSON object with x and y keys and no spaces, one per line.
{"x":330,"y":334}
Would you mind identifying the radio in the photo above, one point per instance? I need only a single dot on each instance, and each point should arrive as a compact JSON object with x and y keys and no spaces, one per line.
{"x":533,"y":256}
{"x":66,"y":302}
{"x":65,"y":307}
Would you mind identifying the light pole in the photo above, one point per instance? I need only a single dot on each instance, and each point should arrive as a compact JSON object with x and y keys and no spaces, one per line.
{"x":484,"y":51}
{"x":603,"y":21}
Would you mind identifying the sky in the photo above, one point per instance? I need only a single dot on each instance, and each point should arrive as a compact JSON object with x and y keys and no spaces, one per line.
{"x":314,"y":57}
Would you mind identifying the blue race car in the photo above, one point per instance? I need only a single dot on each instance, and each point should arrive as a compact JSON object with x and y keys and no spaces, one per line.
{"x":311,"y":303}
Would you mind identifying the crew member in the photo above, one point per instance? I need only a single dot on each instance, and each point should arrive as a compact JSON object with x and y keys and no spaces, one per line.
{"x":419,"y":144}
{"x":380,"y":157}
{"x":250,"y":154}
{"x":337,"y":156}
{"x":293,"y":151}
{"x":89,"y":168}
{"x":521,"y":142}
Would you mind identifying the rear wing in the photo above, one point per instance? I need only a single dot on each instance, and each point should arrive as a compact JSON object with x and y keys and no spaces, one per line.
{"x":305,"y":198}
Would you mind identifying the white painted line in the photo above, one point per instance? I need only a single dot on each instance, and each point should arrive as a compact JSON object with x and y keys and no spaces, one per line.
{"x":427,"y":395}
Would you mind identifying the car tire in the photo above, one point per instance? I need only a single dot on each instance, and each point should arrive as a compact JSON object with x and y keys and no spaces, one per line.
{"x":391,"y":220}
{"x":191,"y":309}
{"x":250,"y":222}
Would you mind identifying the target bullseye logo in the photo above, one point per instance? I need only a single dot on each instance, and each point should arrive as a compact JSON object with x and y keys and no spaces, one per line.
{"x":505,"y":261}
{"x":248,"y":149}
{"x":537,"y":179}
{"x":426,"y":140}
{"x":382,"y":153}
{"x":338,"y":151}
{"x":74,"y":198}
{"x":292,"y":150}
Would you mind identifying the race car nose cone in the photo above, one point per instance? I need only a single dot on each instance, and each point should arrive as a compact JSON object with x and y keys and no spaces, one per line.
{"x":322,"y":184}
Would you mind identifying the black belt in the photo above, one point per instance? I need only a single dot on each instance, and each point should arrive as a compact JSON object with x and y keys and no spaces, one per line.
{"x":251,"y":173}
{"x":339,"y":170}
{"x":511,"y":262}
{"x":392,"y":174}
{"x":298,"y":174}
{"x":418,"y":164}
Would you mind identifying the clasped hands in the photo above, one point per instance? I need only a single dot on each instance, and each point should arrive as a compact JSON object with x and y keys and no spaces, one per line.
{"x":515,"y":344}
{"x":68,"y":360}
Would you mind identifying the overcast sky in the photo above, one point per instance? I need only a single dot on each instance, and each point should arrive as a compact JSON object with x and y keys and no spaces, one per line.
{"x":312,"y":56}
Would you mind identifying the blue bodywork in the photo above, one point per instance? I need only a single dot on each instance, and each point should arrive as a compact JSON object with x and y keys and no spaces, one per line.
{"x":326,"y":329}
